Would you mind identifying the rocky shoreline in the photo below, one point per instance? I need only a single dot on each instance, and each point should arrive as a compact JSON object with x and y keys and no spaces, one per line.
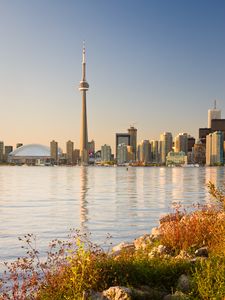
{"x":146,"y":292}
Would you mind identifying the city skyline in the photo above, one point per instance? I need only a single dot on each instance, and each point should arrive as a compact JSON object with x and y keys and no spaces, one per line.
{"x":158,"y":68}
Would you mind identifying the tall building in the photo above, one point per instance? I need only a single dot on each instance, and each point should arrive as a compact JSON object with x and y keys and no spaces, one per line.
{"x":144,"y":151}
{"x":218,"y":125}
{"x":166,"y":144}
{"x":191,"y":142}
{"x":91,"y":148}
{"x":106,"y":153}
{"x":130,"y":154}
{"x":84,"y":129}
{"x":122,"y":154}
{"x":8,"y":149}
{"x":133,"y":139}
{"x":69,"y":152}
{"x":1,"y":151}
{"x":181,"y":143}
{"x":54,"y":151}
{"x":199,"y":153}
{"x":213,"y":114}
{"x":76,"y":156}
{"x":155,"y":151}
{"x":214,"y":148}
{"x":122,"y":138}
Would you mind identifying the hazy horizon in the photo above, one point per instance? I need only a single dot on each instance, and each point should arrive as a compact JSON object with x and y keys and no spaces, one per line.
{"x":157,"y":65}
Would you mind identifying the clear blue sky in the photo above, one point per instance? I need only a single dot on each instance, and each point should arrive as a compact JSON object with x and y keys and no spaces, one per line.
{"x":157,"y":64}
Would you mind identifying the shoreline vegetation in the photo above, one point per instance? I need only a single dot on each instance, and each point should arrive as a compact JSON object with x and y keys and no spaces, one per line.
{"x":182,"y":258}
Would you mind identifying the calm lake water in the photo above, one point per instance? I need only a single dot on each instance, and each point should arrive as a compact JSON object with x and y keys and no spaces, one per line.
{"x":48,"y":201}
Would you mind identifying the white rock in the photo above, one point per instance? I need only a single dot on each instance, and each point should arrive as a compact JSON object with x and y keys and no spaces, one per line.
{"x":118,"y":293}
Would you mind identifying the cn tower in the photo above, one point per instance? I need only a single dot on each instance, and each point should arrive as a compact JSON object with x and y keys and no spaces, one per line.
{"x":83,"y":87}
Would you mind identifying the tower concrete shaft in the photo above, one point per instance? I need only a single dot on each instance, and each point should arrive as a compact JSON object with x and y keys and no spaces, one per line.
{"x":84,"y":129}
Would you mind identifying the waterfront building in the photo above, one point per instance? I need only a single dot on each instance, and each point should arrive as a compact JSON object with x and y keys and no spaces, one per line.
{"x":213,"y":114}
{"x":1,"y":151}
{"x":130,"y":154}
{"x":214,"y":148}
{"x":54,"y":151}
{"x":122,"y":138}
{"x":191,"y":142}
{"x":133,"y":140}
{"x":155,"y":151}
{"x":122,"y":154}
{"x":176,"y":158}
{"x":203,"y":132}
{"x":181,"y":143}
{"x":19,"y":145}
{"x":83,"y":87}
{"x":218,"y":125}
{"x":8,"y":149}
{"x":199,"y":153}
{"x":32,"y":154}
{"x":106,"y":153}
{"x":91,"y":149}
{"x":166,"y":144}
{"x":69,"y":152}
{"x":144,"y":151}
{"x":76,"y":156}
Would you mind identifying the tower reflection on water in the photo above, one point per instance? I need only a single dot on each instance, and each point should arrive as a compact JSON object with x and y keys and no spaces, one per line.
{"x":83,"y":199}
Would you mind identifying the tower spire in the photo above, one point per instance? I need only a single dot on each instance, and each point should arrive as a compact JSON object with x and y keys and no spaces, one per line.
{"x":83,"y":61}
{"x":215,"y":104}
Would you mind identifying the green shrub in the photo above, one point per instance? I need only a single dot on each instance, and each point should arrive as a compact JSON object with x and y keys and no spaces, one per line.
{"x":209,"y":279}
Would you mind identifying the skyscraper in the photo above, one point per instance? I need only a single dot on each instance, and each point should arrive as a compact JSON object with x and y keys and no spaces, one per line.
{"x":133,"y":139}
{"x":122,"y":154}
{"x":83,"y":87}
{"x":122,"y":138}
{"x":106,"y":153}
{"x":181,"y":143}
{"x":144,"y":151}
{"x":1,"y":151}
{"x":214,"y":148}
{"x":8,"y":149}
{"x":69,"y":152}
{"x":213,"y":114}
{"x":166,"y":144}
{"x":54,"y":151}
{"x":155,"y":151}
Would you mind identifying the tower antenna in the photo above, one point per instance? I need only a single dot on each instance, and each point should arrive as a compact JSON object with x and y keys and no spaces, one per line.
{"x":215,"y":104}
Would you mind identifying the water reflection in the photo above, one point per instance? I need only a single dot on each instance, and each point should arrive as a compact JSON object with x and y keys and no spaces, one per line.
{"x":98,"y":200}
{"x":83,"y":199}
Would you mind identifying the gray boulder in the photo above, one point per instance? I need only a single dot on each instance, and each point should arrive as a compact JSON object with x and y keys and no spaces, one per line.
{"x":183,"y":283}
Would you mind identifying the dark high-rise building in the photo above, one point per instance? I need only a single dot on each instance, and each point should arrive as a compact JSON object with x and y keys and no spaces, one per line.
{"x":133,"y":139}
{"x":203,"y":132}
{"x":218,"y":125}
{"x":191,"y":142}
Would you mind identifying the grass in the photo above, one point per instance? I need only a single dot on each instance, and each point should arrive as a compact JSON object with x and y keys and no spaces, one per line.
{"x":77,"y":265}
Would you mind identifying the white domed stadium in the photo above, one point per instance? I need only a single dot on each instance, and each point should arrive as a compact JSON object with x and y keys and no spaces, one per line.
{"x":32,"y":154}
